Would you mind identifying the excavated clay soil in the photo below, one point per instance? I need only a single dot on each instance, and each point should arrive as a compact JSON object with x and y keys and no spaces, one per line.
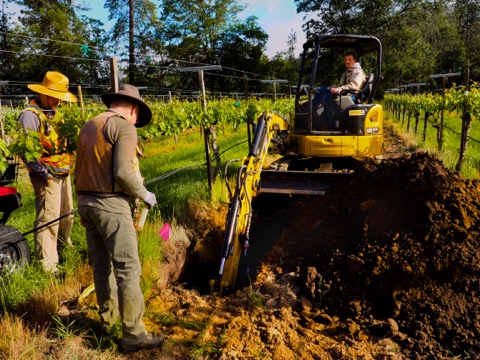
{"x":395,"y":251}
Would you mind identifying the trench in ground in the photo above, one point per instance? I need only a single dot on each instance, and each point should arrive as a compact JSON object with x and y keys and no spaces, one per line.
{"x":272,"y":214}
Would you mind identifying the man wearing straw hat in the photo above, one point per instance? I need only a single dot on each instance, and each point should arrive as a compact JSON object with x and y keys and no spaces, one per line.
{"x":105,"y":177}
{"x":50,"y":175}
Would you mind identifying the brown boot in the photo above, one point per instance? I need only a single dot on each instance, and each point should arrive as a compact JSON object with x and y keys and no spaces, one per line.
{"x":148,"y":342}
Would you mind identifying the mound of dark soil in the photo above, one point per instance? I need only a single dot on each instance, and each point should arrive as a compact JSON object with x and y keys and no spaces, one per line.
{"x":397,"y":250}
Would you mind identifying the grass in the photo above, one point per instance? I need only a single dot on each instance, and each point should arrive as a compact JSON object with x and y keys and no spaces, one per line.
{"x":451,"y":136}
{"x":17,"y":340}
{"x":255,"y":299}
{"x":64,"y":329}
{"x":196,"y":332}
{"x":18,"y":286}
{"x":178,"y":189}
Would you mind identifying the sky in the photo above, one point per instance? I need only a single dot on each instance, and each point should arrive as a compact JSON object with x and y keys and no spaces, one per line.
{"x":276,"y":17}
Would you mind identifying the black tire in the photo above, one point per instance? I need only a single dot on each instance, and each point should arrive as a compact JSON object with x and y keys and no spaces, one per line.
{"x":14,"y":249}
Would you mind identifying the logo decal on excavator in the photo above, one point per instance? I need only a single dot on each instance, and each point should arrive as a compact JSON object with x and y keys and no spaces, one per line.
{"x":356,"y":112}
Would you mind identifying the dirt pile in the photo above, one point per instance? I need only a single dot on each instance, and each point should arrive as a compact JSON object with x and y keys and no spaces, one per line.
{"x":395,"y":251}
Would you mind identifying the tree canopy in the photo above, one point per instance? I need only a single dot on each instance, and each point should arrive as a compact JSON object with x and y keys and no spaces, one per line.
{"x":420,"y":37}
{"x":154,"y":38}
{"x":50,"y":35}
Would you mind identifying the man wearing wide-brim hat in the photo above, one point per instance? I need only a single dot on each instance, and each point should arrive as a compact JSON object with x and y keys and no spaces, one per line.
{"x":105,"y":178}
{"x":50,"y":175}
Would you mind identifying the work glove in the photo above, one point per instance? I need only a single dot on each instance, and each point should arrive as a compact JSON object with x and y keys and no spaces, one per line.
{"x":150,"y":200}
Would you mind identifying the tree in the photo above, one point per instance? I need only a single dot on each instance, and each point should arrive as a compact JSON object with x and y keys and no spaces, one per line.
{"x":241,"y":47}
{"x":53,"y":37}
{"x":193,"y":29}
{"x":467,"y":15}
{"x":449,"y":50}
{"x":292,"y":43}
{"x":137,"y":22}
{"x":353,"y":16}
{"x":6,"y":44}
{"x":419,"y":37}
{"x":409,"y":59}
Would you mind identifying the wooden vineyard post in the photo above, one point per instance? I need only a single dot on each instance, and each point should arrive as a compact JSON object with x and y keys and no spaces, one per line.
{"x":466,"y":125}
{"x":80,"y":98}
{"x":245,"y":86}
{"x":2,"y":130}
{"x":113,"y":75}
{"x":442,"y":115}
{"x":210,"y":131}
{"x":274,"y":86}
{"x":442,"y":112}
{"x":206,"y":131}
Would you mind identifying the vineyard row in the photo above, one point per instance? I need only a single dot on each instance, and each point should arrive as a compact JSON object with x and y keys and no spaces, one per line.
{"x":169,"y":118}
{"x":463,"y":101}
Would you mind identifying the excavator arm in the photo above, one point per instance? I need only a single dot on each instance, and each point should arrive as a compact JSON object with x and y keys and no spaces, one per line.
{"x":271,"y":130}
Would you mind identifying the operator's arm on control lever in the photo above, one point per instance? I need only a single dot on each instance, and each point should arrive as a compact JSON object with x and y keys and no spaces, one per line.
{"x":268,"y":128}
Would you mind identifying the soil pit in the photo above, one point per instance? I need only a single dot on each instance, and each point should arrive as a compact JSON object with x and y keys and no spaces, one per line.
{"x":391,"y":255}
{"x":396,"y":250}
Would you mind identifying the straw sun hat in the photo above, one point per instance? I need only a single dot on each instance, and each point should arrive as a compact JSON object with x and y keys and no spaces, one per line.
{"x":54,"y":84}
{"x":131,"y":94}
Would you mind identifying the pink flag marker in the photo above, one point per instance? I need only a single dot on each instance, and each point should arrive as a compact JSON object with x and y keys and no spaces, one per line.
{"x":165,"y":232}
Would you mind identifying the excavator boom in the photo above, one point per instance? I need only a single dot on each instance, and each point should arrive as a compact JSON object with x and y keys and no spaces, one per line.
{"x":268,"y":129}
{"x":290,"y":174}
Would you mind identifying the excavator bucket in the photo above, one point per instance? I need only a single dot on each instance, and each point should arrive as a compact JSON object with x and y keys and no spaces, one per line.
{"x":299,"y":182}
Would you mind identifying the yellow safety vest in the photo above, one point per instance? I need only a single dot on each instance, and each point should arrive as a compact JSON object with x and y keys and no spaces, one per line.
{"x":54,"y":156}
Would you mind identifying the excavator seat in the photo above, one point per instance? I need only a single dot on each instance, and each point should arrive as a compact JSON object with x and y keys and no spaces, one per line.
{"x":343,"y":102}
{"x":337,"y":106}
{"x":362,"y":95}
{"x":367,"y":88}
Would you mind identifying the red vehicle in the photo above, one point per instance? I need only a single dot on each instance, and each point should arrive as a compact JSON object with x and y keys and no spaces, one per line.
{"x":14,"y":249}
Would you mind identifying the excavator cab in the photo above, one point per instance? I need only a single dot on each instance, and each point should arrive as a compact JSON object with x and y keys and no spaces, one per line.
{"x":341,"y":127}
{"x":328,"y":140}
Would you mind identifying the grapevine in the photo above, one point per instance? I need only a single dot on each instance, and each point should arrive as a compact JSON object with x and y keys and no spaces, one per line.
{"x":168,"y":119}
{"x":4,"y":152}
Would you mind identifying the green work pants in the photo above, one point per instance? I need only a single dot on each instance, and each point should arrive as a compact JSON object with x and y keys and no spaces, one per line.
{"x":113,"y":252}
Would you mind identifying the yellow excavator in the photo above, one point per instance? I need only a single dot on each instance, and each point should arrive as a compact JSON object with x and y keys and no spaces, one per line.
{"x":317,"y":151}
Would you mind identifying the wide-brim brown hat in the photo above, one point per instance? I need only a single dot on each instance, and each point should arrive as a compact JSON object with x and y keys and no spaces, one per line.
{"x":131,"y":94}
{"x":54,"y":84}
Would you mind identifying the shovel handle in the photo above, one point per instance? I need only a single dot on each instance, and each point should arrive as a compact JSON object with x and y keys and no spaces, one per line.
{"x":143,"y":217}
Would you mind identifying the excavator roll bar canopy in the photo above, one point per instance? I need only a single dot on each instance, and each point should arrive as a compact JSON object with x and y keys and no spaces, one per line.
{"x":361,"y":44}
